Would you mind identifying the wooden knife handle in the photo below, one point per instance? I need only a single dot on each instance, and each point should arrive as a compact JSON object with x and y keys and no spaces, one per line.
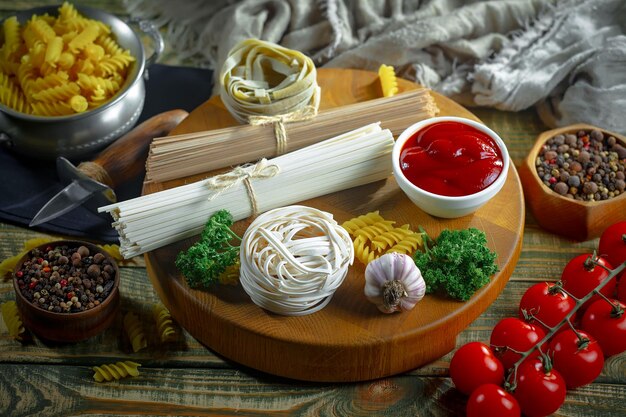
{"x":125,"y":158}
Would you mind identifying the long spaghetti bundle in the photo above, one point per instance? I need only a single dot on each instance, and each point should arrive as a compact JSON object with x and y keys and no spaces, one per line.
{"x":354,"y":158}
{"x":188,"y":154}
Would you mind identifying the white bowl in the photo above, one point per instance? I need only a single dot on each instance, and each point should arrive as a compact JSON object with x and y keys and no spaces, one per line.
{"x":441,"y":205}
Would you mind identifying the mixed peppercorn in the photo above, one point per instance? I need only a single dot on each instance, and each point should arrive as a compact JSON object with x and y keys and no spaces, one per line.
{"x":66,"y":280}
{"x":587,"y":166}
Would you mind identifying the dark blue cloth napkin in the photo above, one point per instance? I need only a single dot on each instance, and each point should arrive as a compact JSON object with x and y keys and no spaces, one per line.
{"x":26,"y":185}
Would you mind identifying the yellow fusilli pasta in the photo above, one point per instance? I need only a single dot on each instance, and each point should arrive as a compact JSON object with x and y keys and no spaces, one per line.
{"x":362,"y":221}
{"x":11,"y":96}
{"x":26,"y":75}
{"x":84,"y":38}
{"x":67,"y":12}
{"x":92,"y":83}
{"x":363,"y":251}
{"x":231,"y":275}
{"x":38,"y":30}
{"x":52,"y":80}
{"x":164,"y":323}
{"x":134,"y":331}
{"x":109,"y":45}
{"x":54,"y":50}
{"x":115,"y":371}
{"x":8,"y":265}
{"x":369,"y":232}
{"x":11,"y":29}
{"x":8,"y":67}
{"x":114,"y":251}
{"x":60,"y":51}
{"x":60,"y":93}
{"x":11,"y":318}
{"x":51,"y":109}
{"x":374,"y":236}
{"x":115,"y":64}
{"x":409,"y":244}
{"x":390,"y":238}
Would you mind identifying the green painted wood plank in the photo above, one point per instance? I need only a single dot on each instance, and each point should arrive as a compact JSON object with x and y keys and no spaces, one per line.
{"x":70,"y":390}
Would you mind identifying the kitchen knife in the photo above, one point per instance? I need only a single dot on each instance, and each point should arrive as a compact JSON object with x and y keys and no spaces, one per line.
{"x":92,"y":182}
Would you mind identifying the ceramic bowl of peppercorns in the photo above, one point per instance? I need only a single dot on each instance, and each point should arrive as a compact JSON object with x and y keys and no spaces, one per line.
{"x":574,"y":180}
{"x":67,"y":291}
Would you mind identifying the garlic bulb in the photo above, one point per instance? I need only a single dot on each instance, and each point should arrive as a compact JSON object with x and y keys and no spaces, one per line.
{"x":394,"y":283}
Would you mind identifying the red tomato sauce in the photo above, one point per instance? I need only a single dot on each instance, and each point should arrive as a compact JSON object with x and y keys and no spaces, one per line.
{"x":451,"y":159}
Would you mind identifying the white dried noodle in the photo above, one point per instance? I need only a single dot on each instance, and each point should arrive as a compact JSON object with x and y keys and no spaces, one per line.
{"x":354,"y":158}
{"x":293,"y":259}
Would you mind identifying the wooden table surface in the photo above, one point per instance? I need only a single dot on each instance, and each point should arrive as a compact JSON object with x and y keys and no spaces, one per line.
{"x":185,"y":378}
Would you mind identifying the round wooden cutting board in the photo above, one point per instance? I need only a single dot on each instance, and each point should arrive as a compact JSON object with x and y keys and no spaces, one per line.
{"x":349,"y":340}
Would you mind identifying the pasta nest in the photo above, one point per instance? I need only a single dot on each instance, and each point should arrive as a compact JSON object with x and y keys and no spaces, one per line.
{"x":293,"y":259}
{"x":262,"y":78}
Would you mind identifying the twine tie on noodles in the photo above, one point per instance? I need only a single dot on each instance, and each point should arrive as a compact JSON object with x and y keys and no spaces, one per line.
{"x":260,"y":170}
{"x":300,"y":115}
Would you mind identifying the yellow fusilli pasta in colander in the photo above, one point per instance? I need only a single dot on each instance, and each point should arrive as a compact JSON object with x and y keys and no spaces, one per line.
{"x":58,"y":52}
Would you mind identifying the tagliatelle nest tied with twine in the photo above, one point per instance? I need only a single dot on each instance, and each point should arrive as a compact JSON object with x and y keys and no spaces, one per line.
{"x":265,"y":83}
{"x":293,"y":259}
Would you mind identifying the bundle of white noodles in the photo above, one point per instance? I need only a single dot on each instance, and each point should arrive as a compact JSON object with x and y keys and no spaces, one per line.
{"x":355,"y":158}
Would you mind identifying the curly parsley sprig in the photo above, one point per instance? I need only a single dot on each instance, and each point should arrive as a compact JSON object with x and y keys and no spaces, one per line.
{"x":206,"y":259}
{"x":458,"y":263}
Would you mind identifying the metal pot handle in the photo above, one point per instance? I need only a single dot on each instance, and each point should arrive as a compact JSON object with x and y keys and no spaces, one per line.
{"x":151,"y":30}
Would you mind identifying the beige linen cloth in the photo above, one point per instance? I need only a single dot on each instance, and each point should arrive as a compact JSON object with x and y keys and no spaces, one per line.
{"x":567,"y":58}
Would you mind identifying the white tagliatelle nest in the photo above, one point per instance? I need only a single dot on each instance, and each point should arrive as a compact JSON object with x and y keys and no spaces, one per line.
{"x":293,"y":259}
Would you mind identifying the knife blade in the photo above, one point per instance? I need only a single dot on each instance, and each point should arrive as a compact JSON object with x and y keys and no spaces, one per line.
{"x":72,"y":196}
{"x":118,"y":163}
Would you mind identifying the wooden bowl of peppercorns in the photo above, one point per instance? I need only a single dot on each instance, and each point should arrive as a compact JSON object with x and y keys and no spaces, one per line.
{"x":67,"y":291}
{"x":573,"y":180}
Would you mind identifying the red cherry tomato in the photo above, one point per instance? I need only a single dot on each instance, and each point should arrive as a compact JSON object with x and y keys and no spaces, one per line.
{"x":512,"y":334}
{"x":474,"y":364}
{"x":489,"y":400}
{"x":607,"y":325}
{"x":621,"y":289}
{"x":578,"y":361}
{"x":612,"y":246}
{"x":545,"y":302}
{"x":580,"y":277}
{"x":538,"y":392}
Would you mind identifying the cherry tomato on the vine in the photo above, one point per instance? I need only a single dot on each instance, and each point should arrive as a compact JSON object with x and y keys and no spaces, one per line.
{"x":607,"y":323}
{"x":621,"y":289}
{"x":546,"y":303}
{"x":580,"y":277}
{"x":612,"y":244}
{"x":579,"y":360}
{"x":474,"y":364}
{"x":539,"y":392}
{"x":490,"y":400}
{"x":513,"y":335}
